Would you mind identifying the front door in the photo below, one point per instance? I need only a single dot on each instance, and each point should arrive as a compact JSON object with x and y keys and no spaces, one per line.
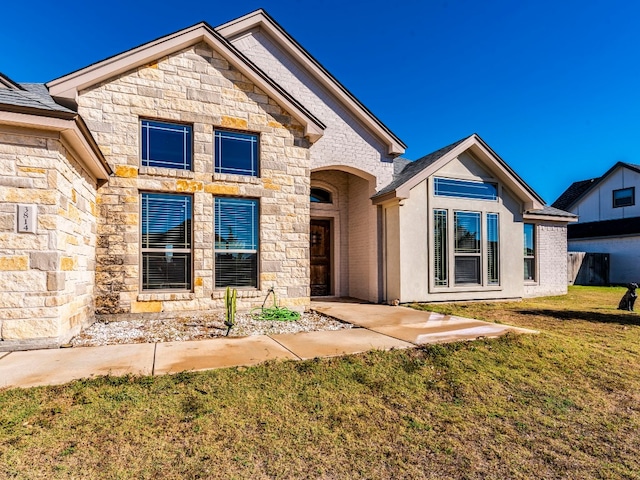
{"x":320,"y":257}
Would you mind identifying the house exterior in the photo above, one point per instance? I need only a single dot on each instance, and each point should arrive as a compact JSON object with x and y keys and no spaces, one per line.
{"x":228,"y":156}
{"x":609,"y":219}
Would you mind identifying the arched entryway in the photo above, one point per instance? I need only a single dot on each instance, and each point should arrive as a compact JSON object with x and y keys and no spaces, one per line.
{"x":343,"y":234}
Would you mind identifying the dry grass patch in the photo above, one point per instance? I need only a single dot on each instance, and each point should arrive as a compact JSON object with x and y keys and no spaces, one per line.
{"x":562,"y":404}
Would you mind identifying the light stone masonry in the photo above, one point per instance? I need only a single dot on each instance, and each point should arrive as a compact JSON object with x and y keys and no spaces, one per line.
{"x":197,"y":86}
{"x":46,"y":278}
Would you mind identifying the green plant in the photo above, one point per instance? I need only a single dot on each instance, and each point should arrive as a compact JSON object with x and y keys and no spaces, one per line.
{"x":230,"y":299}
{"x":282,"y":314}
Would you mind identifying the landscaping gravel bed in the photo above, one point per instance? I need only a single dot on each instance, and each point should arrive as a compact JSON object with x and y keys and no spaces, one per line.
{"x":194,"y":327}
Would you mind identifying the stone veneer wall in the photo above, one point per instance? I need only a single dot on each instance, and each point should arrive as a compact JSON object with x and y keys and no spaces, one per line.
{"x":201,"y":88}
{"x":46,"y":278}
{"x":551,"y":255}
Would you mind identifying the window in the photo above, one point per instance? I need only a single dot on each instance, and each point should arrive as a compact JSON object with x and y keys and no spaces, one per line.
{"x":440,"y":243}
{"x":467,"y":247}
{"x":625,"y":197}
{"x":166,"y":145}
{"x":166,"y":241}
{"x":493,"y":252}
{"x":236,"y":242}
{"x":529,"y":252}
{"x":319,"y":195}
{"x":447,"y":187}
{"x":236,"y":153}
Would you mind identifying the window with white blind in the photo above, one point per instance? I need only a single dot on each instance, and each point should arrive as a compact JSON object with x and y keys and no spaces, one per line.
{"x":440,"y":267}
{"x":166,"y":145}
{"x":236,"y":153}
{"x":236,"y":242}
{"x":493,"y":251}
{"x":166,"y":241}
{"x":467,"y":247}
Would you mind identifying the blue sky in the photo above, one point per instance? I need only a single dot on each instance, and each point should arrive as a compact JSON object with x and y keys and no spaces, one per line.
{"x":552,"y":86}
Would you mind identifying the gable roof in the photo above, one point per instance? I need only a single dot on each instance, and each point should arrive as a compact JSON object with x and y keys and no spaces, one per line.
{"x":68,"y":86}
{"x":419,"y":170}
{"x":261,"y":19}
{"x":578,"y":190}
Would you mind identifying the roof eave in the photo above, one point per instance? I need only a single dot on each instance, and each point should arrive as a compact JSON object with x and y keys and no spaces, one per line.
{"x":263,"y":20}
{"x":551,"y":218}
{"x":69,"y":85}
{"x":74,"y":135}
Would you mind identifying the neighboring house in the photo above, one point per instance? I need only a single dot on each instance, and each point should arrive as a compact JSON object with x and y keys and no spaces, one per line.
{"x":228,"y":156}
{"x":609,"y":219}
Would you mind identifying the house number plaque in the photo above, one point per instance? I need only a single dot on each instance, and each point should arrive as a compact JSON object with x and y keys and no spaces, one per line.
{"x":27,"y":219}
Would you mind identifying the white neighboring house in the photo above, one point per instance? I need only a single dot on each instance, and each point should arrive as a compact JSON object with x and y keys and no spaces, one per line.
{"x":609,"y":219}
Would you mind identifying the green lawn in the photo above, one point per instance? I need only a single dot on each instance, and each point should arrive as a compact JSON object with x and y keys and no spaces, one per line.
{"x":561,"y":404}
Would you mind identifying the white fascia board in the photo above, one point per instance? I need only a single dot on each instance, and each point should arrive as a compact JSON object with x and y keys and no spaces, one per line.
{"x":258,"y":19}
{"x":69,"y":85}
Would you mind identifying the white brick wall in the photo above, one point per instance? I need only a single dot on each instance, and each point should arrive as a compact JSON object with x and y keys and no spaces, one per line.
{"x":345,"y":142}
{"x":551,"y":255}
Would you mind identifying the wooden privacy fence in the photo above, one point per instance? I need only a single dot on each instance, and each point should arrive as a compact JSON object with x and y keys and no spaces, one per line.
{"x":584,"y":268}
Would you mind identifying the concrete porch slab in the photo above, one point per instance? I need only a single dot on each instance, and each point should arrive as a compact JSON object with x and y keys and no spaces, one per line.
{"x":372,"y":315}
{"x":174,"y":357}
{"x":57,"y":366}
{"x":337,"y":342}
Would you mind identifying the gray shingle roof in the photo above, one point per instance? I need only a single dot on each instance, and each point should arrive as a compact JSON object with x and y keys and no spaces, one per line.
{"x":571,"y":194}
{"x":411,"y":169}
{"x":552,"y":211}
{"x":30,"y":95}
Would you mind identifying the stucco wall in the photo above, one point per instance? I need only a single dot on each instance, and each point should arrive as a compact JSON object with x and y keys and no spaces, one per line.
{"x":199,"y":87}
{"x":46,"y":277}
{"x":416,"y":239}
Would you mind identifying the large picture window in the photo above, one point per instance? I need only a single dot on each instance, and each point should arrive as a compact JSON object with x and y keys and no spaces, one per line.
{"x":529,"y":252}
{"x":236,"y":242}
{"x":166,"y":145}
{"x":236,"y":153}
{"x":467,"y":247}
{"x":166,"y":241}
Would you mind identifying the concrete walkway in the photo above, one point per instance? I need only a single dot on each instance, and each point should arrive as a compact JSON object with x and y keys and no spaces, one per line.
{"x":382,"y":328}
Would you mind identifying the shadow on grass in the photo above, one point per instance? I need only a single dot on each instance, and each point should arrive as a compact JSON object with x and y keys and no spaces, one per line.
{"x":621,"y":318}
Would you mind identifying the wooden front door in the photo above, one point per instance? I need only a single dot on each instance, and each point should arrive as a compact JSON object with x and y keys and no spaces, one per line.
{"x":320,"y":258}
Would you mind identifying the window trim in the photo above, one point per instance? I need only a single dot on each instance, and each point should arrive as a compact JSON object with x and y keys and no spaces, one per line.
{"x":190,"y":145}
{"x":216,"y":168}
{"x":459,"y":253}
{"x":258,"y":242}
{"x":450,"y":285}
{"x":633,"y":197}
{"x":437,"y":181}
{"x":143,"y":250}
